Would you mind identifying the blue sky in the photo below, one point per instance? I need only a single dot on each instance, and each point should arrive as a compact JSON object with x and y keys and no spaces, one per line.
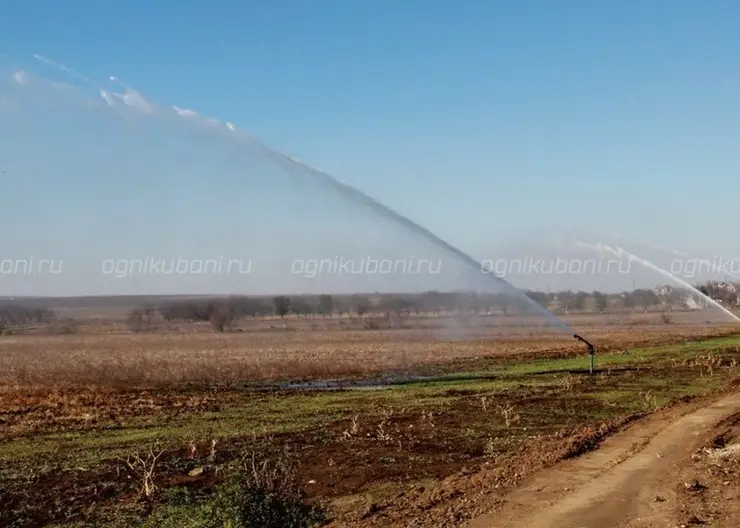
{"x":486,"y":121}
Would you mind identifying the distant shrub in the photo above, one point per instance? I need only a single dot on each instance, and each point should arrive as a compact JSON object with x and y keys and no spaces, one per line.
{"x":371,"y":324}
{"x":15,"y":314}
{"x":65,"y":326}
{"x":221,"y":317}
{"x":141,"y":319}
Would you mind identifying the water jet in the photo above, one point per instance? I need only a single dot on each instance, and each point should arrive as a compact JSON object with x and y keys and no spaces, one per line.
{"x":147,"y":165}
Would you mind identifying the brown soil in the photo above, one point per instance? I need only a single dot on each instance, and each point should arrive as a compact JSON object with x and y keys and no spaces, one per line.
{"x":337,"y":461}
{"x":433,"y":463}
{"x":643,"y":477}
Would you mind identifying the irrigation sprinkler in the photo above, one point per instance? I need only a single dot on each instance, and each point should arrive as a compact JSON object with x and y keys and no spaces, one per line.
{"x":591,"y":352}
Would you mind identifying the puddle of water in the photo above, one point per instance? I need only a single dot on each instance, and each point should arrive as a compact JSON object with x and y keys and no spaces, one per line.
{"x":328,"y":385}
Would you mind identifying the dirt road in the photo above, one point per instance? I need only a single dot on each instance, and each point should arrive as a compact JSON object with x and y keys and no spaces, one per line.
{"x":634,"y":480}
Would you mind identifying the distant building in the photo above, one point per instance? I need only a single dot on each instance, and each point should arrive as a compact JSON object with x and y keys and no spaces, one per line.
{"x":725,"y":286}
{"x":723,"y":292}
{"x":589,"y":304}
{"x":691,"y":303}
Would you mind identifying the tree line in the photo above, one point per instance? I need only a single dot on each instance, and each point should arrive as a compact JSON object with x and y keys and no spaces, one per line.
{"x":13,"y":315}
{"x":222,"y":313}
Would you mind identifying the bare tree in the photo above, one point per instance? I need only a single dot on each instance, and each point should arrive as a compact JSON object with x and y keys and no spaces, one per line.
{"x":282,"y":305}
{"x":362,"y":305}
{"x":221,"y":316}
{"x":301,"y":306}
{"x":326,"y":305}
{"x":141,"y":319}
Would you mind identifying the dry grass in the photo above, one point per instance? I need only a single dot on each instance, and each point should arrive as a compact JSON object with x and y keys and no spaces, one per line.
{"x":170,"y":359}
{"x":110,"y":356}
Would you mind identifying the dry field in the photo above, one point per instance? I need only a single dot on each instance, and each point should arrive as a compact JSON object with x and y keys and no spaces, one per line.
{"x":104,"y":352}
{"x":499,"y":400}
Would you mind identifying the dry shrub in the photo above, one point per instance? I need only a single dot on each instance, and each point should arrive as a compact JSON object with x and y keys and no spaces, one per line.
{"x":508,"y":413}
{"x":570,"y":381}
{"x":143,"y":467}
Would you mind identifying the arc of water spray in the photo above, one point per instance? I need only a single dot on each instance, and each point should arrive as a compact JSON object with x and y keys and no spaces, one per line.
{"x":63,"y":68}
{"x":290,"y":163}
{"x":384,"y":211}
{"x":703,"y":261}
{"x":620,"y":253}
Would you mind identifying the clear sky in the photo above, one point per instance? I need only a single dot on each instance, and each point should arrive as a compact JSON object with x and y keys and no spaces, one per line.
{"x":486,"y":121}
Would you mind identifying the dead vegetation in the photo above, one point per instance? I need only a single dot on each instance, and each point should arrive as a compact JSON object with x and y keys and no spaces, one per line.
{"x":122,"y":357}
{"x":142,"y":468}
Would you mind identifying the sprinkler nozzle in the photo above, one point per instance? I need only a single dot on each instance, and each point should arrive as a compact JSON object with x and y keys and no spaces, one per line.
{"x":591,"y":348}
